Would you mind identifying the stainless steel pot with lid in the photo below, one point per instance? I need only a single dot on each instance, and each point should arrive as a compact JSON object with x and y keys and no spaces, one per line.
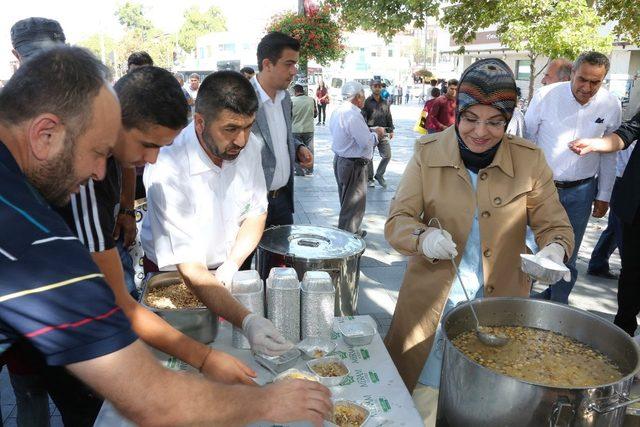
{"x":472,"y":395}
{"x":313,"y":248}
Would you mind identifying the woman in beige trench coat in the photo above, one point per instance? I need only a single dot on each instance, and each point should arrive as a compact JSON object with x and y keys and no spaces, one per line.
{"x":485,"y":187}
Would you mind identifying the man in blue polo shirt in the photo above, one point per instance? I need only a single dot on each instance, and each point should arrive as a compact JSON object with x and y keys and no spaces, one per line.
{"x":59,"y":121}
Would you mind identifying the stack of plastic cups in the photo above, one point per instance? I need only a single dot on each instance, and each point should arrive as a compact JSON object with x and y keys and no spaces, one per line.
{"x":283,"y":302}
{"x":318,"y":302}
{"x":247,"y":288}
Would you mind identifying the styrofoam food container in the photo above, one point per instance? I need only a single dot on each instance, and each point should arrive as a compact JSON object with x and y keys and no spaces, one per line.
{"x":278,"y":364}
{"x":309,"y":346}
{"x":294,"y":373}
{"x":542,"y":269}
{"x":328,"y":381}
{"x":342,"y":402}
{"x":357,"y":333}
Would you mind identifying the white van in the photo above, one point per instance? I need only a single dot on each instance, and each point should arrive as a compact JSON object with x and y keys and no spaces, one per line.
{"x":335,"y":86}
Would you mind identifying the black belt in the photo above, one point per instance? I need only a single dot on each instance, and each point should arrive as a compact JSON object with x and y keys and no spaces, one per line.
{"x":275,"y":193}
{"x":358,"y":160}
{"x":571,"y":184}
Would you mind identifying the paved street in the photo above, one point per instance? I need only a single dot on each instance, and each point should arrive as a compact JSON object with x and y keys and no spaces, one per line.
{"x":382,"y":268}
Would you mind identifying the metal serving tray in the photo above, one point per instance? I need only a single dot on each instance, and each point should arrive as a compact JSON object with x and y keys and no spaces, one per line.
{"x":197,"y":323}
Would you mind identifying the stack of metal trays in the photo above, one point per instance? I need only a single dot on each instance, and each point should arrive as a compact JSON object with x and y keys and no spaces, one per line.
{"x":283,"y":302}
{"x":247,"y":288}
{"x":318,"y":301}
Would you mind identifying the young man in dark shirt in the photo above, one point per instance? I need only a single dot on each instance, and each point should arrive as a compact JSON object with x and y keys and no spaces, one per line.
{"x":443,"y":110}
{"x":376,"y":113}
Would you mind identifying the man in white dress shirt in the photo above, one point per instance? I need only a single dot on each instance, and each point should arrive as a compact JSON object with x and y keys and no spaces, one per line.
{"x":353,"y":144}
{"x":207,"y":203}
{"x":563,"y":112}
{"x":277,"y":56}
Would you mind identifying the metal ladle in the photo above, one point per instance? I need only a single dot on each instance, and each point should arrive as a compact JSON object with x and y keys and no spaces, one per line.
{"x":484,"y":337}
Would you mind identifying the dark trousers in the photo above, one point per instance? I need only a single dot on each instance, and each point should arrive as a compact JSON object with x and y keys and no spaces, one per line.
{"x":629,"y":282}
{"x":305,"y":138}
{"x":577,"y":203}
{"x":322,"y":113}
{"x":279,"y":212}
{"x":351,"y":177}
{"x":609,"y":240}
{"x":384,"y":149}
{"x":78,"y":405}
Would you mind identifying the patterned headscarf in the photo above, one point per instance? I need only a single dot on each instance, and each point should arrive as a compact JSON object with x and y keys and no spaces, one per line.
{"x":487,"y":82}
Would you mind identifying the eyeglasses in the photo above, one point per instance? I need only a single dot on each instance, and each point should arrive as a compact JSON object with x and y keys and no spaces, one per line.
{"x":491,"y":124}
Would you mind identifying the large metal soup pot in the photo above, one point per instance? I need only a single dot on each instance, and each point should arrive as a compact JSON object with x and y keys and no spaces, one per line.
{"x":472,"y":395}
{"x":313,"y":248}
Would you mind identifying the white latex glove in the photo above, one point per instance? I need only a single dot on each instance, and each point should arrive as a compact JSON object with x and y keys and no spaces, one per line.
{"x":438,"y":244}
{"x":225,"y":272}
{"x":555,"y":252}
{"x":263,"y":336}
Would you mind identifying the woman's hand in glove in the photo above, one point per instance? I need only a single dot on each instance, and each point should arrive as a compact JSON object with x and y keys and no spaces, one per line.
{"x":438,"y":244}
{"x":555,"y":252}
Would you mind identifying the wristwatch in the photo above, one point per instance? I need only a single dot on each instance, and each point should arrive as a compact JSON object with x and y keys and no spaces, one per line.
{"x":125,"y":211}
{"x":418,"y":232}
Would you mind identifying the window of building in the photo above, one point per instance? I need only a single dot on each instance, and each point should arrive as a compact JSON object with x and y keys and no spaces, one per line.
{"x":374,"y":53}
{"x":227,"y":47}
{"x":523,"y":70}
{"x":390,"y":53}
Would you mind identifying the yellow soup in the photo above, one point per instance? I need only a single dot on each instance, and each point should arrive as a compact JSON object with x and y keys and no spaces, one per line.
{"x":539,"y":356}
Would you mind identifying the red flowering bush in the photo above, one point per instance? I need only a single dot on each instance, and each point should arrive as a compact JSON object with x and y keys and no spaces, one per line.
{"x":319,"y":35}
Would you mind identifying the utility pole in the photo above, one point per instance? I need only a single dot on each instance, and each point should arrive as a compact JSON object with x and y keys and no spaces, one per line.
{"x":303,"y":61}
{"x":424,"y":61}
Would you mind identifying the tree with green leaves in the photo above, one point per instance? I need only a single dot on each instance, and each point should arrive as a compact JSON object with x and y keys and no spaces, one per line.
{"x":197,"y":23}
{"x":548,"y":28}
{"x":131,"y":16}
{"x":318,"y":33}
{"x":386,"y":18}
{"x":424,"y":74}
{"x":98,"y":44}
{"x":626,"y":15}
{"x":141,"y":34}
{"x":551,"y":28}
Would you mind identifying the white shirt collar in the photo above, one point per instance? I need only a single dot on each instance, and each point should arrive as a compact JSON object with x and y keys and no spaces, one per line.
{"x":263,"y":95}
{"x":199,"y":161}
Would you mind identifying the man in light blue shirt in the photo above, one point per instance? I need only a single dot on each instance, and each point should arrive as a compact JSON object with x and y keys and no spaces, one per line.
{"x":353,"y":144}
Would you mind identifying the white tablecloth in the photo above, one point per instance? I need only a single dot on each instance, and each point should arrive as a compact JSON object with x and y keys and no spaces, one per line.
{"x":374,"y":381}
